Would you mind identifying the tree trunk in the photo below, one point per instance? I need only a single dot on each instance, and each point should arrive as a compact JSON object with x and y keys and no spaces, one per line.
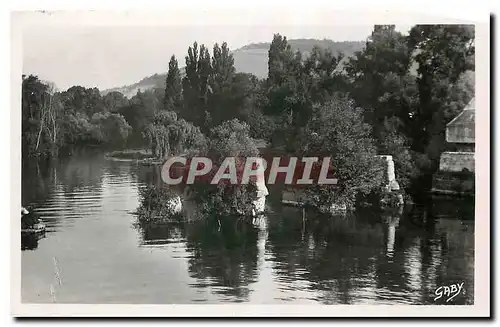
{"x":39,"y":133}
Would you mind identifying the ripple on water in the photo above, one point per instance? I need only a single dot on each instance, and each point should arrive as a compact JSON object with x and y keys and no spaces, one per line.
{"x":104,"y":258}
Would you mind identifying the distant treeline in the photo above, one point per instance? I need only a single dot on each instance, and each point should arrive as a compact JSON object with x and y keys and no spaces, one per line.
{"x":348,"y":48}
{"x":394,"y":97}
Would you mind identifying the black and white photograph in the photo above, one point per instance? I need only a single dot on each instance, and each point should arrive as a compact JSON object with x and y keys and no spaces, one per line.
{"x":326,"y":163}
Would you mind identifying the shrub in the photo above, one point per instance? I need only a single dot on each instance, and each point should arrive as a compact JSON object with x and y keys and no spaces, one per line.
{"x":155,"y":204}
{"x":229,"y":139}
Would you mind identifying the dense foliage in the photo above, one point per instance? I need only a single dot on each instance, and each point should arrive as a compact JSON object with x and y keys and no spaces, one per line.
{"x":54,"y":121}
{"x":231,"y":139}
{"x":156,"y":204}
{"x":394,"y":96}
{"x":336,"y":129}
{"x":168,"y":135}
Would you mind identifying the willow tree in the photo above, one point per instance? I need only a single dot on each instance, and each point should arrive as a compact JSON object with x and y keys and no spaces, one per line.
{"x":168,"y":135}
{"x":157,"y":132}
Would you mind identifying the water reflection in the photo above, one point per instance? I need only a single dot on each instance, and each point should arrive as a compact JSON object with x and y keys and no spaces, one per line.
{"x":223,"y":258}
{"x":363,"y":258}
{"x":288,"y":256}
{"x":390,"y":218}
{"x":30,"y":241}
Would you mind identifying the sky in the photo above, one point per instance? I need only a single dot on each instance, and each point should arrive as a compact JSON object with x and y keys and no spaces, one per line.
{"x":107,"y":56}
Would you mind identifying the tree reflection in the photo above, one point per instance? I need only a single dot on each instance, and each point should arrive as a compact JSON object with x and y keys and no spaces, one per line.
{"x":36,"y":181}
{"x":41,"y":179}
{"x":382,"y":256}
{"x":390,"y":256}
{"x":81,"y":173}
{"x":30,"y":241}
{"x":158,"y":234}
{"x":221,"y":257}
{"x":225,"y":257}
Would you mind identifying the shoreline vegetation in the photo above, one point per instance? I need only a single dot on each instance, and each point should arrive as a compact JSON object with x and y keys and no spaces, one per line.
{"x":394,"y":97}
{"x":130,"y":154}
{"x":139,"y":156}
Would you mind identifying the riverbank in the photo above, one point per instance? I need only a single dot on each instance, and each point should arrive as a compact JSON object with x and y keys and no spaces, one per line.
{"x":139,"y":156}
{"x":460,"y":184}
{"x":130,"y":154}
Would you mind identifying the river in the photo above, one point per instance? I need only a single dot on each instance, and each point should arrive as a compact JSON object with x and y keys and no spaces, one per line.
{"x":93,"y":252}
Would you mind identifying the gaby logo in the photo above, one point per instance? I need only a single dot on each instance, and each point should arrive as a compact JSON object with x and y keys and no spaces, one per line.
{"x":236,"y":170}
{"x":449,"y":292}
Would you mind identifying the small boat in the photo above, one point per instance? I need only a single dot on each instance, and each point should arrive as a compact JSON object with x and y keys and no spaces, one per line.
{"x":36,"y":228}
{"x":35,"y":225}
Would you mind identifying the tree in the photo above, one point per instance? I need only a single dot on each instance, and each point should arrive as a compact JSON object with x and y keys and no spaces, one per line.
{"x":222,"y":67}
{"x":231,"y":139}
{"x":173,"y":88}
{"x":187,"y":137}
{"x":157,"y":132}
{"x":41,"y":110}
{"x":337,"y":130}
{"x":167,"y":134}
{"x":195,"y":85}
{"x":280,"y":60}
{"x":443,"y":54}
{"x":287,"y":90}
{"x":322,"y":73}
{"x":282,"y":76}
{"x":139,"y":112}
{"x":76,"y":130}
{"x":296,"y":83}
{"x":380,"y":81}
{"x":221,"y":104}
{"x":109,"y":128}
{"x":113,"y":101}
{"x":81,"y":99}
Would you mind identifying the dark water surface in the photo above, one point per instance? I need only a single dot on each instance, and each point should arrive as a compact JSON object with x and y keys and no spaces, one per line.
{"x":94,"y":253}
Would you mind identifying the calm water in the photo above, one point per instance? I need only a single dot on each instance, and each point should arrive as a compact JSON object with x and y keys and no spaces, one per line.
{"x":93,"y":252}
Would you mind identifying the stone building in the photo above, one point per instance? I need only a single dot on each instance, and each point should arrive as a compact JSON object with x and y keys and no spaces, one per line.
{"x":456,"y":165}
{"x":460,"y":138}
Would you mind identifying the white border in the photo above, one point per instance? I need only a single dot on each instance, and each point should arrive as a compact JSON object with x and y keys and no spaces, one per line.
{"x":254,"y":16}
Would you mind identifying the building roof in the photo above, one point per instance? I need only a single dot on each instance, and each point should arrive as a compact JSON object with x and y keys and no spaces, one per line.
{"x":462,"y":128}
{"x":466,"y":117}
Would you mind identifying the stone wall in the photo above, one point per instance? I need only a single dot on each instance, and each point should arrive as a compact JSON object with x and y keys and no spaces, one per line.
{"x":460,"y":147}
{"x":390,"y":174}
{"x":460,"y":133}
{"x":457,"y":161}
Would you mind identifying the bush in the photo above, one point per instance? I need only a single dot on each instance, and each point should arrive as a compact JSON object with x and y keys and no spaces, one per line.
{"x":155,"y":204}
{"x":225,"y":199}
{"x":262,"y":126}
{"x":229,"y":139}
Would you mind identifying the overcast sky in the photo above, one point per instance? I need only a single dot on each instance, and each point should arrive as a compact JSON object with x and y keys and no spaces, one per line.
{"x":111,"y":56}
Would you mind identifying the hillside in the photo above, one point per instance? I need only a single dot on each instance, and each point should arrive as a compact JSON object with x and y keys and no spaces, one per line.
{"x":251,"y":58}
